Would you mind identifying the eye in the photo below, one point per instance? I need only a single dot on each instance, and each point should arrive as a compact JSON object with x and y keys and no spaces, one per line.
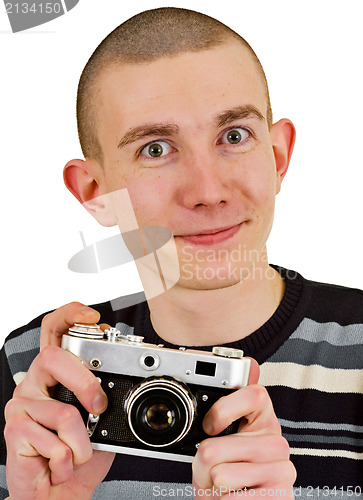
{"x":156,"y":149}
{"x":235,"y":135}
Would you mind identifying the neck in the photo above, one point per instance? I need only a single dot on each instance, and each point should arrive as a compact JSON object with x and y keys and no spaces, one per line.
{"x":212,"y":317}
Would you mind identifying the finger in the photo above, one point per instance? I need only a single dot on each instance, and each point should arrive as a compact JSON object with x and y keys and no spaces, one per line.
{"x":237,"y":448}
{"x":54,"y":365}
{"x":254,"y":371}
{"x":98,"y":466}
{"x":104,"y":326}
{"x":63,"y":418}
{"x":251,"y":402}
{"x":56,"y":323}
{"x":28,"y":445}
{"x":237,"y":476}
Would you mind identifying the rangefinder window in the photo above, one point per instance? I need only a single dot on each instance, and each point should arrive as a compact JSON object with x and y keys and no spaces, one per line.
{"x":205,"y":368}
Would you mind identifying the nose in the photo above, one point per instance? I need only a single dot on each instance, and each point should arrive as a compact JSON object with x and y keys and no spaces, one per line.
{"x":205,"y":182}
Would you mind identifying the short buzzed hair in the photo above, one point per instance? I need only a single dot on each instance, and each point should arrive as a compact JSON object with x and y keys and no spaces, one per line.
{"x":150,"y":35}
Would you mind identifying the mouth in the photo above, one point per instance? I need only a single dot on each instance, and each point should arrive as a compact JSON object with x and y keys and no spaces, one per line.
{"x":211,"y":236}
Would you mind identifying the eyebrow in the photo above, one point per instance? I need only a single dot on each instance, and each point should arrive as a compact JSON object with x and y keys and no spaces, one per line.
{"x":238,"y":113}
{"x":146,"y":130}
{"x":170,"y":129}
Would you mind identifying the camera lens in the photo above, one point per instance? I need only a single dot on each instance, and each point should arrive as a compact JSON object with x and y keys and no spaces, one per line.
{"x":160,"y":411}
{"x":159,"y":416}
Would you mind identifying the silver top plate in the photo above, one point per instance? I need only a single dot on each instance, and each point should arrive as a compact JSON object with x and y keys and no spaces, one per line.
{"x":140,"y":359}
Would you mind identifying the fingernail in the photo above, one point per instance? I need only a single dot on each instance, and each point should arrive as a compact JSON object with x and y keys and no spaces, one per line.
{"x":87,"y":311}
{"x":208,"y":425}
{"x":99,"y":404}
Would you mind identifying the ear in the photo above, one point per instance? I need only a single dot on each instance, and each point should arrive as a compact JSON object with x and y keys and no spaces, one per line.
{"x":283,"y":139}
{"x":83,"y":179}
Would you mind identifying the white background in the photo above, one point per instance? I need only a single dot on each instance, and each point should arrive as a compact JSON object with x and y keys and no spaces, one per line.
{"x":312,"y":55}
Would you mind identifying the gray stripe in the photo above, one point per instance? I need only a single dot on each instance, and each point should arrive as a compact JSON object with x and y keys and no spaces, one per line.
{"x":3,"y":485}
{"x":308,"y":438}
{"x":327,"y":494}
{"x":127,"y":301}
{"x":21,"y":362}
{"x":320,"y":425}
{"x":333,"y":333}
{"x":22,"y":350}
{"x":24,"y":342}
{"x":135,"y":490}
{"x":125,"y":329}
{"x":325,"y":354}
{"x":3,"y":494}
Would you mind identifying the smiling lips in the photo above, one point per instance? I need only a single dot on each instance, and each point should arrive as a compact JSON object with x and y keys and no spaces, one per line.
{"x":212,"y":236}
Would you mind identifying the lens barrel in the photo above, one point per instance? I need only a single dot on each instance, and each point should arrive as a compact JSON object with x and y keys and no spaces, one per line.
{"x":160,"y":411}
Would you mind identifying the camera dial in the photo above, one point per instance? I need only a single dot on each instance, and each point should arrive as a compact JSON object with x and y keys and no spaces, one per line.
{"x":227,"y":352}
{"x":86,"y":331}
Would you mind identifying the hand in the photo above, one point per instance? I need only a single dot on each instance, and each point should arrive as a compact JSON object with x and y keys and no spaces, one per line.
{"x":42,"y":464}
{"x":256,"y":457}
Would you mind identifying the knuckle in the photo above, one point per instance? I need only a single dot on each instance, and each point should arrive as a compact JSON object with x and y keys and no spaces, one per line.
{"x":46,"y":320}
{"x":60,"y":454}
{"x":88,"y":387}
{"x":73,"y":306}
{"x":280,"y":447}
{"x":63,"y":453}
{"x":218,"y":476}
{"x":89,"y":383}
{"x":286,"y":472}
{"x":9,"y":432}
{"x":17,"y":390}
{"x":86,"y":456}
{"x":10,"y":408}
{"x":67,"y":413}
{"x":260,"y":395}
{"x":206,"y":452}
{"x":219,"y":410}
{"x":291,"y":473}
{"x":49,"y":356}
{"x":284,"y":446}
{"x":73,"y":303}
{"x":14,"y":427}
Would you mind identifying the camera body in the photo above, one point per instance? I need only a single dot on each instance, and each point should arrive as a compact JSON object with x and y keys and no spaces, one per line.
{"x":157,"y":397}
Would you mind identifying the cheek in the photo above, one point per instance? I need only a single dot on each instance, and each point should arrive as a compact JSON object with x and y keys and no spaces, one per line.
{"x":150,"y":201}
{"x":259,"y":178}
{"x":147,"y":191}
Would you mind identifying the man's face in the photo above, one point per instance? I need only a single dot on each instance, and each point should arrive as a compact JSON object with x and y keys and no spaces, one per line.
{"x":188,"y":137}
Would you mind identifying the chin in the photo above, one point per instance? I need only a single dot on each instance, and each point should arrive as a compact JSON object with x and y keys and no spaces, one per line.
{"x":212,"y":278}
{"x":205,"y":285}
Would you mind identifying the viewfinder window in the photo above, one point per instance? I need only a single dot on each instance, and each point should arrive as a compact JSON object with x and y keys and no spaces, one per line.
{"x":205,"y":368}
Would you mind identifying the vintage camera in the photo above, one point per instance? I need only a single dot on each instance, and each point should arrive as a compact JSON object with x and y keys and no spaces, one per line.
{"x":157,"y":397}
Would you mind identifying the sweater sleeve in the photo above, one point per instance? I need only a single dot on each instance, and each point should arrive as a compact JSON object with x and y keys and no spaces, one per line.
{"x":7,"y":386}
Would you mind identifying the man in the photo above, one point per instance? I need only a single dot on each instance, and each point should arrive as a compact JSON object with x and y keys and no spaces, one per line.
{"x":174,"y":107}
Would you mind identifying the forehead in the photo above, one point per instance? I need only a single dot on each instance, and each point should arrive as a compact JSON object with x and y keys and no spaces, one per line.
{"x":188,"y":87}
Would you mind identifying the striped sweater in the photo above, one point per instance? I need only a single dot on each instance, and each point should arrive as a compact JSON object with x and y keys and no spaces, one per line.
{"x":311,"y":357}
